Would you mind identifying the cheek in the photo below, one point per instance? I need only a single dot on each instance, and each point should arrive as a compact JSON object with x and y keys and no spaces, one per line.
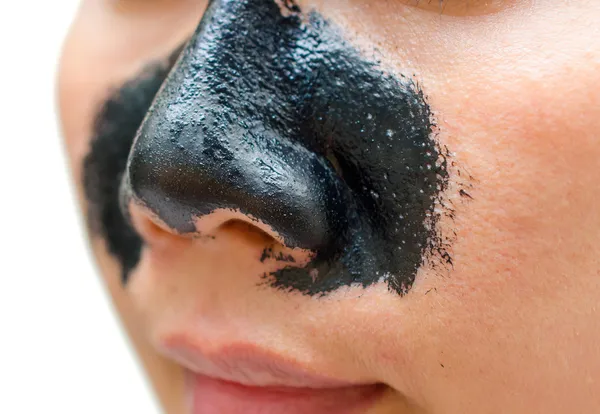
{"x":527,"y":242}
{"x":524,"y":125}
{"x":532,"y":152}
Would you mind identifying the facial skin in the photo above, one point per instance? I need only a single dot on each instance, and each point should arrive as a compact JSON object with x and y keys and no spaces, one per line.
{"x":508,"y":324}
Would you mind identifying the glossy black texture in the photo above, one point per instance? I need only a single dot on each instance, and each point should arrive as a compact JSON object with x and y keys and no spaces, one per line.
{"x":115,"y":128}
{"x":276,"y":115}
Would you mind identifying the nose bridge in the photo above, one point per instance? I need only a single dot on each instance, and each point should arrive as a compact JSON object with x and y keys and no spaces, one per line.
{"x":226,"y":131}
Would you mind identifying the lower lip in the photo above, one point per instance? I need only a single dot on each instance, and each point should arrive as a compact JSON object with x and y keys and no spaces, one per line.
{"x":212,"y":396}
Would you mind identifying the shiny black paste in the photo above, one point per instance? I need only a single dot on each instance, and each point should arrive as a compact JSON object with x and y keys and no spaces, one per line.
{"x":276,"y":115}
{"x":114,"y":130}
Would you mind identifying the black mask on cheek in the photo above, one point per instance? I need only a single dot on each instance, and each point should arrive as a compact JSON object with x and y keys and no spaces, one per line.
{"x":114,"y":131}
{"x":273,"y":113}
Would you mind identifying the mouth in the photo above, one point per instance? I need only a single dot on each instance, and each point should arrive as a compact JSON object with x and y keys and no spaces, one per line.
{"x":245,"y":378}
{"x":212,"y":396}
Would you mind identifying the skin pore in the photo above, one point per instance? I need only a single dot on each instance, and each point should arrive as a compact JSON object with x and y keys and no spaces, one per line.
{"x":509,"y":88}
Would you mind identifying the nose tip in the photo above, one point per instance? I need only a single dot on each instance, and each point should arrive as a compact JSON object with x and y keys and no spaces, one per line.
{"x":211,"y":143}
{"x":296,"y":202}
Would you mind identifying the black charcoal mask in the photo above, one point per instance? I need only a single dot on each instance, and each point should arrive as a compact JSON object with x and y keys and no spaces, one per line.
{"x":272,"y":113}
{"x":113,"y":133}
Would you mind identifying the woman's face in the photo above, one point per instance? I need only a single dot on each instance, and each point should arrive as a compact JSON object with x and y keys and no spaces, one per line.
{"x":345,"y":206}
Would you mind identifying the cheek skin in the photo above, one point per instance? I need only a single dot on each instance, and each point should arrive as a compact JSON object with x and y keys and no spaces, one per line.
{"x":528,"y":132}
{"x":525,"y":282}
{"x":167,"y":379}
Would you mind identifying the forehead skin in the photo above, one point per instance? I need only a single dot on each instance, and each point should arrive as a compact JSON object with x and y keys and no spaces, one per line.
{"x":513,"y":326}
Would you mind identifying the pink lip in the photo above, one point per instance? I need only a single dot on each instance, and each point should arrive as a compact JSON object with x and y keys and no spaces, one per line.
{"x":244,"y":378}
{"x":212,"y":396}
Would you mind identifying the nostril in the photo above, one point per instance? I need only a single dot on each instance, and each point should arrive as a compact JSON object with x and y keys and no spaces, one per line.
{"x":256,"y":234}
{"x":223,"y":227}
{"x":228,"y":219}
{"x":151,"y":229}
{"x":220,"y":222}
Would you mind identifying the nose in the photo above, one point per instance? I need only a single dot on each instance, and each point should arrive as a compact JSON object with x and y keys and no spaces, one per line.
{"x":229,"y":132}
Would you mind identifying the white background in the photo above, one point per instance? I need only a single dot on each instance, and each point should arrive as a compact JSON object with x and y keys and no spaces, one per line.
{"x":61,"y":347}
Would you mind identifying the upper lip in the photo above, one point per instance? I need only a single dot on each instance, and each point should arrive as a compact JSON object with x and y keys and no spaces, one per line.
{"x":247,"y":364}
